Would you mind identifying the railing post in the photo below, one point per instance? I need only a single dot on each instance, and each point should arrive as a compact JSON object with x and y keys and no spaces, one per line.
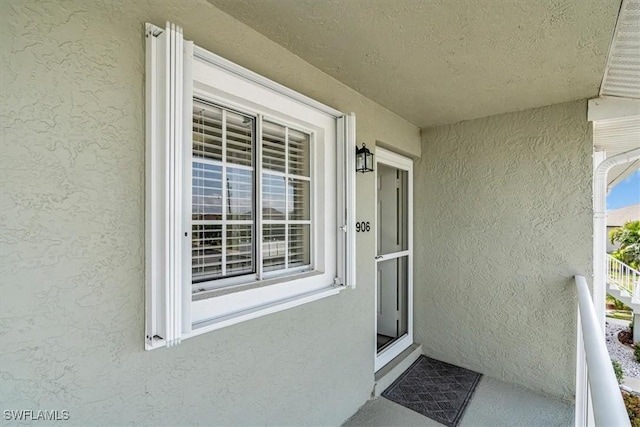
{"x":582,"y":383}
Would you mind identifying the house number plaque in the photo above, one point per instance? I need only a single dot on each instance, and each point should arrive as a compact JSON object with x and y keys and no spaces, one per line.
{"x":363,"y":226}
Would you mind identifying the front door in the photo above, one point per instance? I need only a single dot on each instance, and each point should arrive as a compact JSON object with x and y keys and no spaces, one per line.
{"x":393,"y":256}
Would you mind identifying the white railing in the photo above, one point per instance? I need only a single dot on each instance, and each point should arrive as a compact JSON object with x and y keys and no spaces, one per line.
{"x":606,"y":399}
{"x":624,"y":277}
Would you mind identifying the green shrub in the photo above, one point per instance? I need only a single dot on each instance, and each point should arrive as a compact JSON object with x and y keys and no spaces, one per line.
{"x":617,"y":369}
{"x":636,"y":351}
{"x":632,"y":403}
{"x":622,"y":315}
{"x":629,"y":238}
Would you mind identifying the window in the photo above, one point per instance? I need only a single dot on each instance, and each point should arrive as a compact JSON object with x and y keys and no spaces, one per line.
{"x":249,"y":195}
{"x":227,"y":223}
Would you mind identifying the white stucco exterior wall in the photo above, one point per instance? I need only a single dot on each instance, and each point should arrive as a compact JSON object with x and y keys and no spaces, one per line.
{"x":72,"y":247}
{"x":503,"y":211}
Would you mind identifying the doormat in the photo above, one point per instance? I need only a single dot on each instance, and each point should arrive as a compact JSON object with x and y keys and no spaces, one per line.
{"x":434,"y":389}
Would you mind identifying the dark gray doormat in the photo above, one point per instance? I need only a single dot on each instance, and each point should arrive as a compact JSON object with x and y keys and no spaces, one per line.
{"x":434,"y":389}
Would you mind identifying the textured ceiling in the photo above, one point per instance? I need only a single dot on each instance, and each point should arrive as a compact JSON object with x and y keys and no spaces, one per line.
{"x":442,"y":61}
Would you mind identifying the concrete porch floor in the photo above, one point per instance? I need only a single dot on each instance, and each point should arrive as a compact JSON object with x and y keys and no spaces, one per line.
{"x":494,"y":403}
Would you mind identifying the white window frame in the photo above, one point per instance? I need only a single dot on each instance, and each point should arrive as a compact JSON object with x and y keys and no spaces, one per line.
{"x":176,"y":71}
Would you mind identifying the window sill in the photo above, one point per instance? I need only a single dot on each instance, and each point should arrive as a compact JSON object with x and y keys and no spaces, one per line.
{"x":262,"y":310}
{"x":213,"y":293}
{"x":252,"y":313}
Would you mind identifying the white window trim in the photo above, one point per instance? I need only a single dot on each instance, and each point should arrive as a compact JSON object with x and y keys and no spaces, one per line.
{"x":172,"y":66}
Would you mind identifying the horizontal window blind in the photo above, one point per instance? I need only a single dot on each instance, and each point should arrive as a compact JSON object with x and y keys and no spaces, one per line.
{"x":223,"y":196}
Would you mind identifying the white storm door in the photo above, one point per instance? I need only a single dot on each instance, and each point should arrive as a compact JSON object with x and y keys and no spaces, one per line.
{"x":394,"y":293}
{"x":388,"y":286}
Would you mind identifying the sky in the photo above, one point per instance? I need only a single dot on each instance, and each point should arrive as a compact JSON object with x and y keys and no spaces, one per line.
{"x":625,"y":193}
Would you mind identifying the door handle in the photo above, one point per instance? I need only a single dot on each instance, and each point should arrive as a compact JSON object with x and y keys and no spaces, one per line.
{"x":378,"y":256}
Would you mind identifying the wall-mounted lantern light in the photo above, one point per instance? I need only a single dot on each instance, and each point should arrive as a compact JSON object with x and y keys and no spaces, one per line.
{"x":364,"y":159}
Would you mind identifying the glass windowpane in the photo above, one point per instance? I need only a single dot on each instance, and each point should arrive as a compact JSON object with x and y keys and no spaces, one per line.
{"x":239,"y":256}
{"x":221,"y":191}
{"x":299,"y":245}
{"x":206,"y":191}
{"x":298,"y":195}
{"x":239,"y":139}
{"x":273,"y":147}
{"x":273,"y":247}
{"x":239,"y":194}
{"x":207,"y":131}
{"x":206,"y":252}
{"x":298,"y":153}
{"x":273,"y":197}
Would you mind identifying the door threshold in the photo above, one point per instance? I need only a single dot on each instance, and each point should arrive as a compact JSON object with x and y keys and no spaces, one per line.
{"x":383,"y":341}
{"x":396,"y":367}
{"x":391,"y":351}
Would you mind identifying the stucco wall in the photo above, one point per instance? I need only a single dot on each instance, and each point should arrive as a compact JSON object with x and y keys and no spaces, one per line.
{"x":503,"y":222}
{"x":72,"y":285}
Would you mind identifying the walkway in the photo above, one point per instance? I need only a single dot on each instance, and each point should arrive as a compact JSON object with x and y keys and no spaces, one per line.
{"x":617,"y":351}
{"x":494,"y":403}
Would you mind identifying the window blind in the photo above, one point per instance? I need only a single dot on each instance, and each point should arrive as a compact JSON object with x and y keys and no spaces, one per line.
{"x":222,"y":193}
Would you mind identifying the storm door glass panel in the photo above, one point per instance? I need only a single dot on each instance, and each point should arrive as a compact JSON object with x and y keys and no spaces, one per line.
{"x":392,"y":283}
{"x":286,"y":198}
{"x":222,"y":193}
{"x":393,"y":215}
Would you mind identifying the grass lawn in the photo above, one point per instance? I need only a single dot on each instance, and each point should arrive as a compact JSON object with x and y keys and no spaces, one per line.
{"x":622,"y":315}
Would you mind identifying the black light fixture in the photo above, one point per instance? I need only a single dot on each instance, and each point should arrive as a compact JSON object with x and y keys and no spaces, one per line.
{"x":364,"y":159}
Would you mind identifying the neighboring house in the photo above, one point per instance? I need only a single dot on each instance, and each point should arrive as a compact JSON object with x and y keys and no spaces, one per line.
{"x":617,"y":218}
{"x":149,"y":274}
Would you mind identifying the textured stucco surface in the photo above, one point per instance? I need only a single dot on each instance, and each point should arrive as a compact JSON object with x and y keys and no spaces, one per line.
{"x":443,"y":61}
{"x":72,"y":220}
{"x":503,"y":221}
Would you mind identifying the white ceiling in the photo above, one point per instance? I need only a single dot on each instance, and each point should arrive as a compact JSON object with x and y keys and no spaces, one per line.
{"x":442,"y":61}
{"x":618,"y":136}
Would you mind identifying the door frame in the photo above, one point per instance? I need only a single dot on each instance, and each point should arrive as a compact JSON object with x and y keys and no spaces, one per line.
{"x":390,"y":158}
